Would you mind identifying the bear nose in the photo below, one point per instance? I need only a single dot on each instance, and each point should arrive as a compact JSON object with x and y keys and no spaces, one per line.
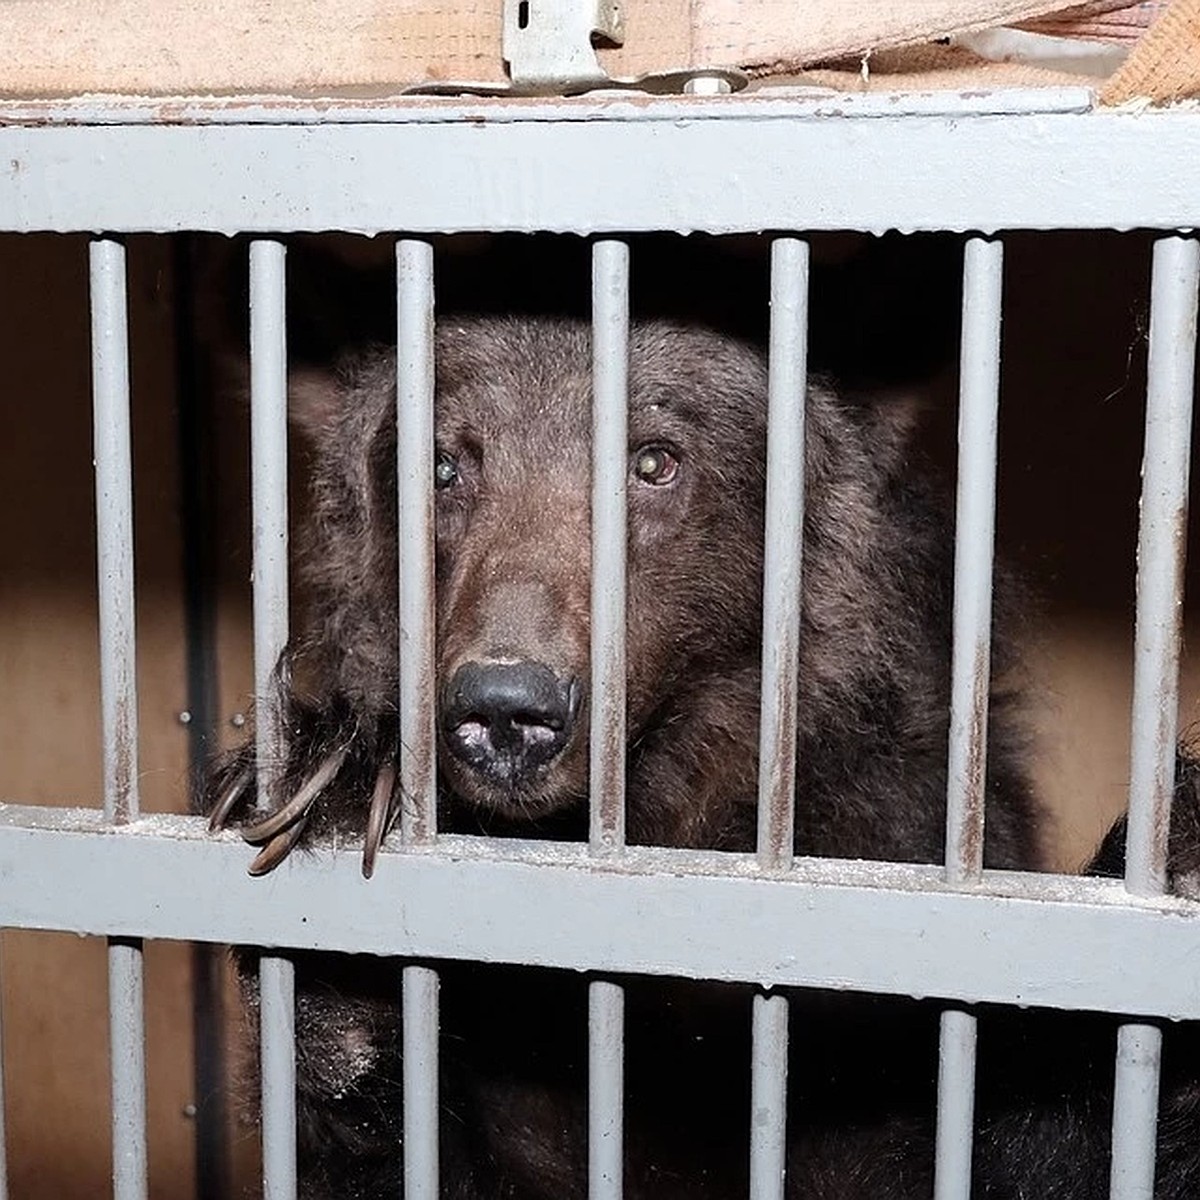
{"x":505,"y":720}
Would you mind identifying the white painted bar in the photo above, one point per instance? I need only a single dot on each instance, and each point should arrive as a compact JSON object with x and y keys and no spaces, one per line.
{"x":974,"y":547}
{"x":768,"y":1096}
{"x":975,"y":521}
{"x":610,"y":468}
{"x":956,"y":1105}
{"x":118,"y":691}
{"x":606,"y":1090}
{"x":1162,"y":541}
{"x":268,"y":483}
{"x":665,"y":167}
{"x":1135,"y":1112}
{"x":114,"y":527}
{"x":127,"y":1051}
{"x":415,"y":451}
{"x":418,"y":782}
{"x":1160,"y":556}
{"x":1023,"y":939}
{"x":606,"y":767}
{"x":268,"y":479}
{"x":277,"y":1065}
{"x":419,"y":1000}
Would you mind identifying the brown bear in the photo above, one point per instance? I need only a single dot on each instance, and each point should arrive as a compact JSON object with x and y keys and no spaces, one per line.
{"x":512,"y":471}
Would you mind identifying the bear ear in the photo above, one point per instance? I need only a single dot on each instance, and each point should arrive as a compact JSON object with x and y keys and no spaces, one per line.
{"x":315,"y":399}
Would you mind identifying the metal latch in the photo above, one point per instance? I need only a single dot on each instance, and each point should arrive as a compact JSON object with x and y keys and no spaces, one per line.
{"x":549,"y":44}
{"x":549,"y":47}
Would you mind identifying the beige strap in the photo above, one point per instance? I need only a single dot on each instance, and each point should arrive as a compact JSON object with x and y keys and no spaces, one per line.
{"x":1165,"y":65}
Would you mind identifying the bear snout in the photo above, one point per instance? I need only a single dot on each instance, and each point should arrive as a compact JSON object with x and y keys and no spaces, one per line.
{"x":506,"y":720}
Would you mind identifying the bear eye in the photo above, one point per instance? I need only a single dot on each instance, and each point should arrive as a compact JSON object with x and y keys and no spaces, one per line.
{"x":655,"y":465}
{"x":445,"y":470}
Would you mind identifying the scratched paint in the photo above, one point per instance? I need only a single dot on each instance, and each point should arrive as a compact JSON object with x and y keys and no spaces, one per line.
{"x":784,"y":552}
{"x":414,"y":417}
{"x":975,"y":518}
{"x":1162,"y":535}
{"x":610,"y":349}
{"x":114,"y":527}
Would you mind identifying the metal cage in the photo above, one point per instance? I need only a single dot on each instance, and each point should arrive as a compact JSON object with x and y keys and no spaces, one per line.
{"x":609,"y":167}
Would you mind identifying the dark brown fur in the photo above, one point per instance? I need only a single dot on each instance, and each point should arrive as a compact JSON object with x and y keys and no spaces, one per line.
{"x":513,"y":408}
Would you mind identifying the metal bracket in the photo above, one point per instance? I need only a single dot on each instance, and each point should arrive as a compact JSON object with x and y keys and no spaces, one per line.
{"x":548,"y":44}
{"x":549,"y":47}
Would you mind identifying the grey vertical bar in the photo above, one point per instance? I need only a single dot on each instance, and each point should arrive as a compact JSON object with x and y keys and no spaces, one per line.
{"x":118,"y":690}
{"x":610,"y":465}
{"x":277,"y":1063}
{"x":268,"y":481}
{"x":783,"y":552}
{"x":606,"y":1090}
{"x":1160,"y":556}
{"x":975,"y":519}
{"x":610,"y":453}
{"x":128,"y":1055}
{"x":419,"y":989}
{"x":415,"y":450}
{"x":768,"y":1096}
{"x":1135,"y":1112}
{"x":114,"y":527}
{"x":781,"y":639}
{"x":1162,"y":539}
{"x":418,"y":789}
{"x":956,"y":1105}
